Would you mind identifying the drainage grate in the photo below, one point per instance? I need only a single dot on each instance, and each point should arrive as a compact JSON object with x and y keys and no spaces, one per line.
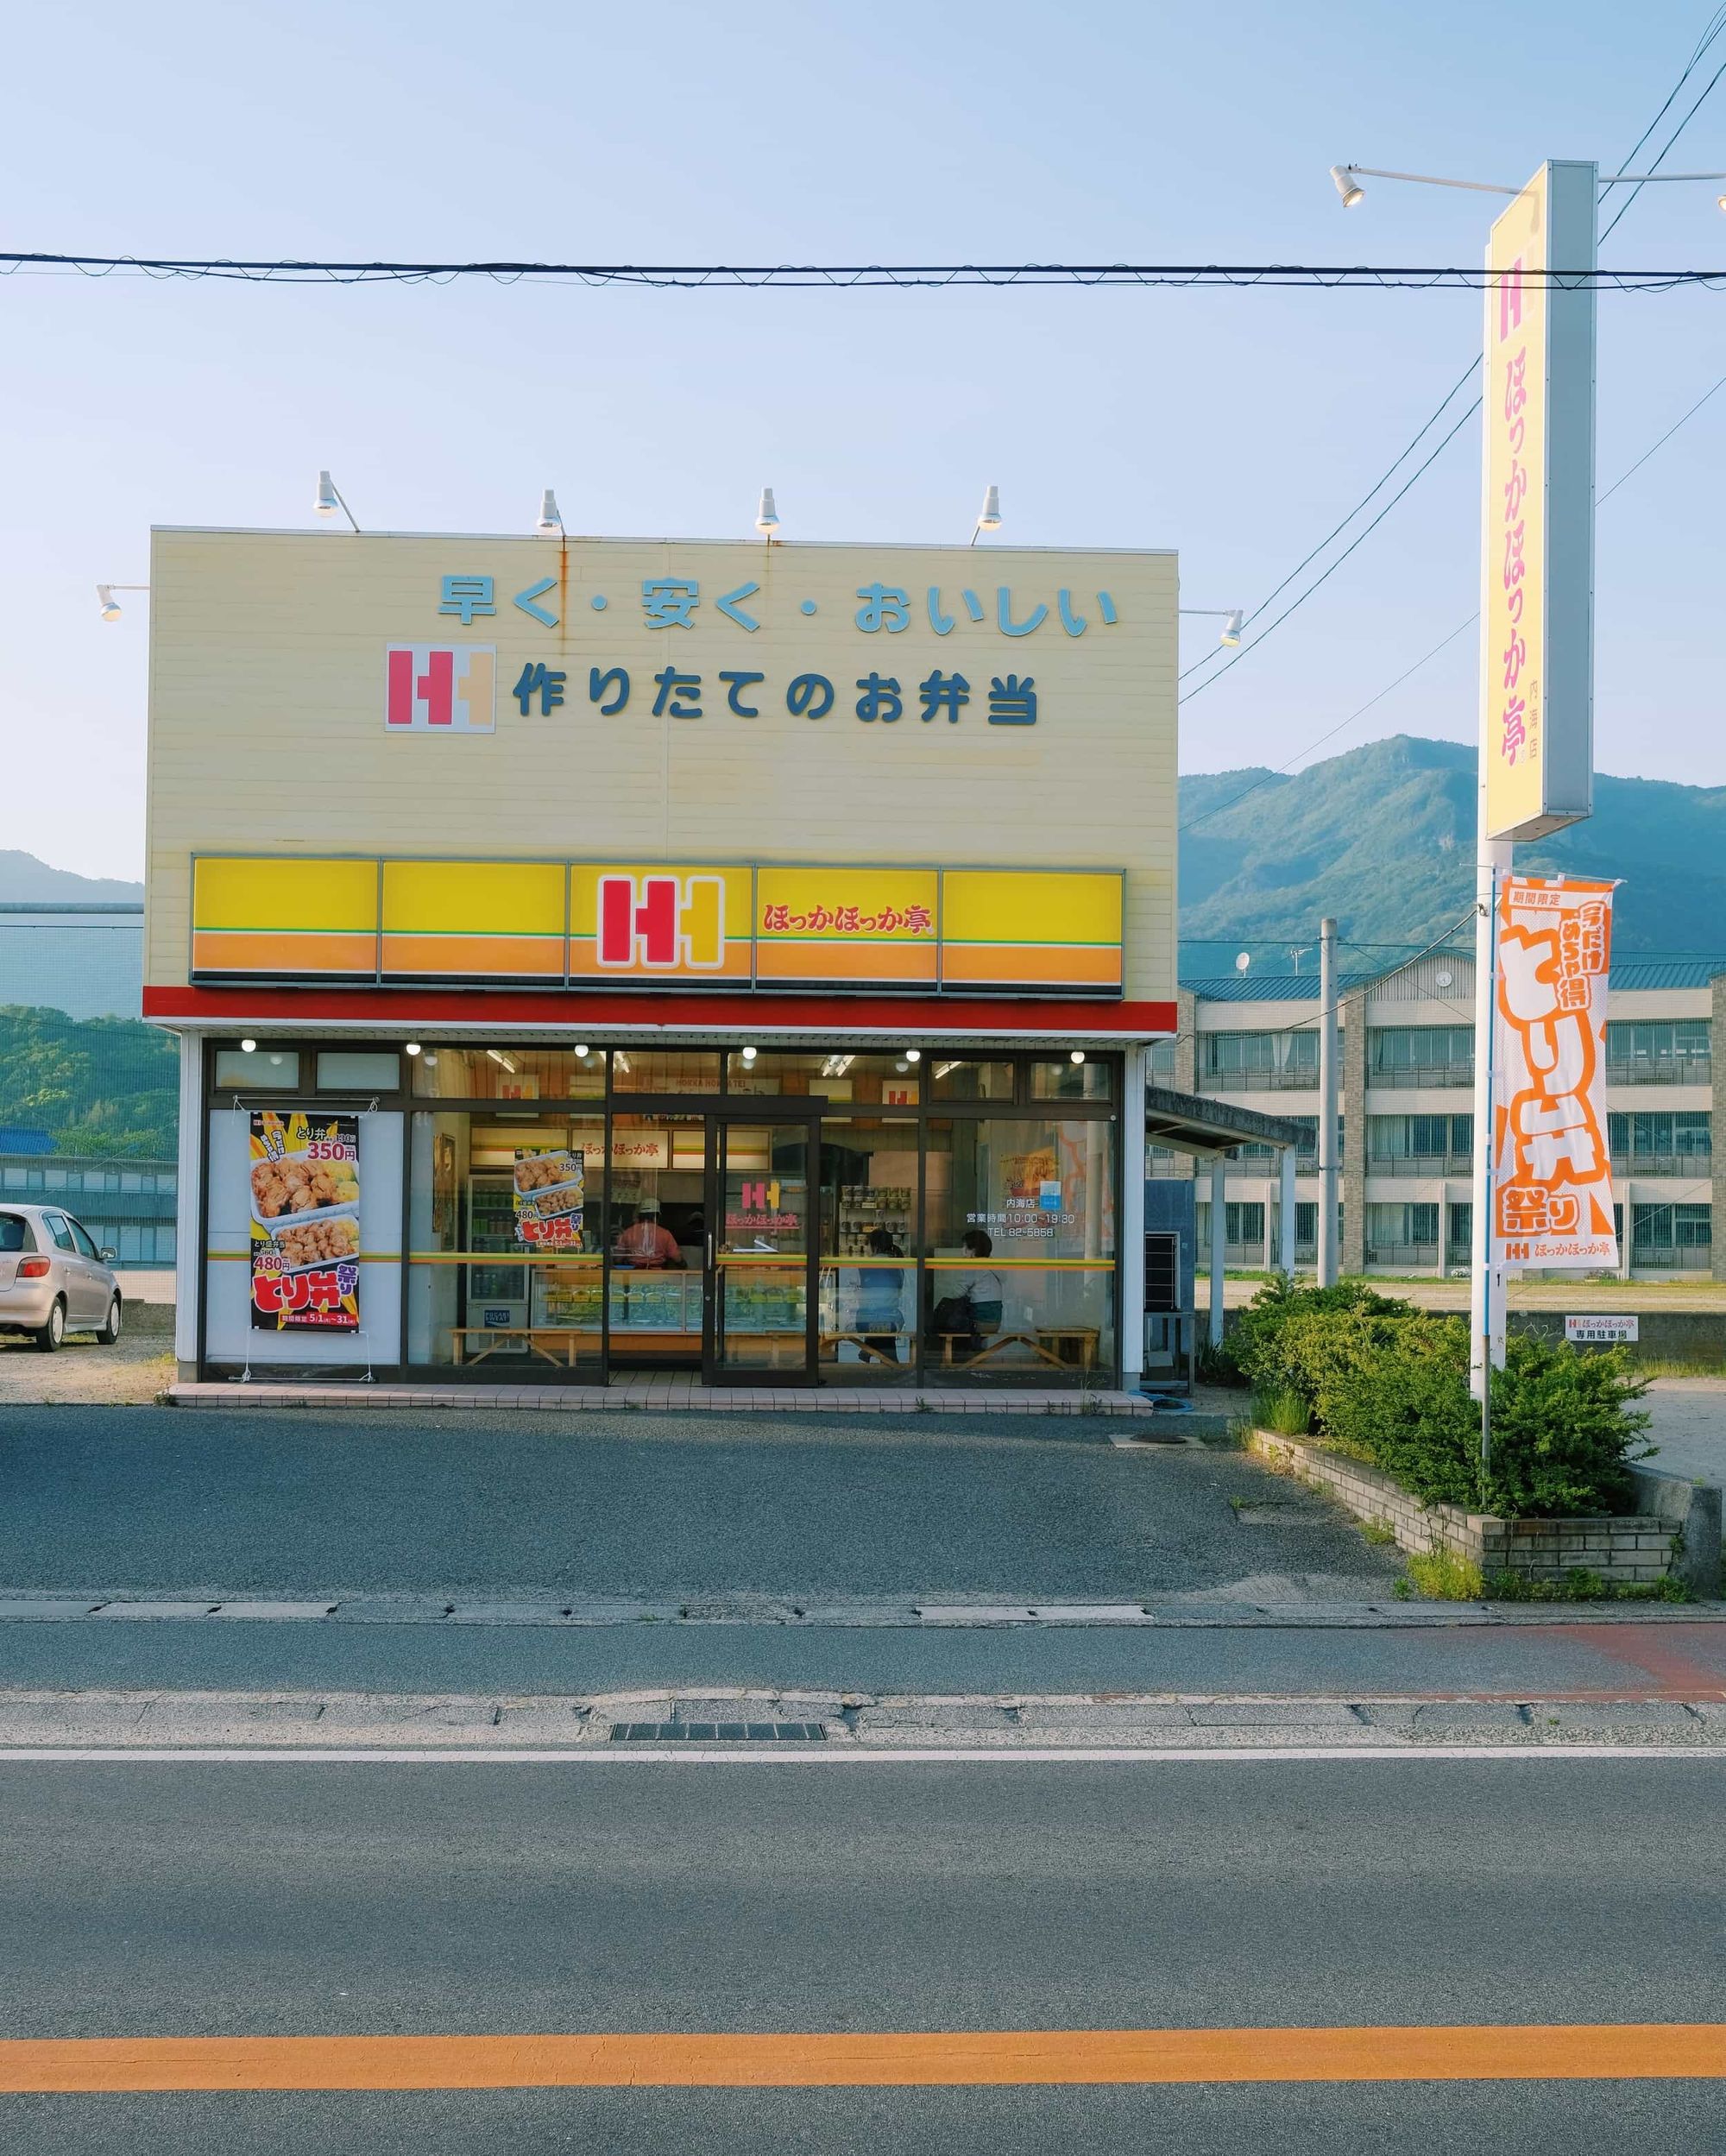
{"x":717,"y":1733}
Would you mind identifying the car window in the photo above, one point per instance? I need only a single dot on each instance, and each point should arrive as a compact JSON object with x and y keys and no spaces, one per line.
{"x":62,"y":1232}
{"x":85,"y":1244}
{"x":14,"y":1232}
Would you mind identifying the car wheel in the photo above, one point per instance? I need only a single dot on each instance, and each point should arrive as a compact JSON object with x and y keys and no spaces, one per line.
{"x":107,"y":1335}
{"x":52,"y":1335}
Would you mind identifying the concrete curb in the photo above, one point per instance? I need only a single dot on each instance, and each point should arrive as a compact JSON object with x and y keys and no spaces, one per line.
{"x":145,"y":1722}
{"x":542,"y":1607}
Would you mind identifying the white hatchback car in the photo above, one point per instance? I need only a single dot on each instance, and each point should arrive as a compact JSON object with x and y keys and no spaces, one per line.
{"x":53,"y":1279}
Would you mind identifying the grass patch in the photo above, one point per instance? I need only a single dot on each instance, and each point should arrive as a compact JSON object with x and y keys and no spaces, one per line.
{"x":1679,"y":1366}
{"x":1582,"y":1585}
{"x":1379,"y":1533}
{"x":1442,"y":1576}
{"x":1283,"y":1411}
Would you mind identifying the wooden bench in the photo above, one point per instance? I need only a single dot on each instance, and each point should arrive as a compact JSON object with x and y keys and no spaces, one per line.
{"x":866,"y":1345}
{"x":561,"y":1336}
{"x":1047,"y":1343}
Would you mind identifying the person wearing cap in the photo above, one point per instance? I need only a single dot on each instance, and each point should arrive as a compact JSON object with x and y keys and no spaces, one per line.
{"x":645,"y":1245}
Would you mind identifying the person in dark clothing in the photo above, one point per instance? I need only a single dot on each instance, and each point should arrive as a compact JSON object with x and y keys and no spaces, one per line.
{"x":972,"y":1308}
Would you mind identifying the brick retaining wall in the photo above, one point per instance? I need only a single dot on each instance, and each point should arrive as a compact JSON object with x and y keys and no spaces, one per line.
{"x":1634,"y":1549}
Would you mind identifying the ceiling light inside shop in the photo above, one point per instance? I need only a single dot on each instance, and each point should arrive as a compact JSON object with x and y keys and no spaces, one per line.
{"x":836,"y":1066}
{"x":498,"y":1057}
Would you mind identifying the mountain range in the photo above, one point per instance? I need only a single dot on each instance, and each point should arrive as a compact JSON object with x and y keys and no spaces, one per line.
{"x":1383,"y":838}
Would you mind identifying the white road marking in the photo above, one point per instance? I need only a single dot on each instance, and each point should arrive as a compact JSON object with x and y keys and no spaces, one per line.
{"x":776,"y":1755}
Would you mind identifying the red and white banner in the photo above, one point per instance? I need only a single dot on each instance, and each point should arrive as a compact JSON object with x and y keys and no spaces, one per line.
{"x":1552,"y":1178}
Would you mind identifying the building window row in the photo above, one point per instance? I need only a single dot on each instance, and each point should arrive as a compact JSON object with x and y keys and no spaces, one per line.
{"x":1658,"y":1052}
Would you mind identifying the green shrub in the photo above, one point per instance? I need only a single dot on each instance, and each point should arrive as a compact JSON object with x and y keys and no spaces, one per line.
{"x":1405,"y":1406}
{"x":1254,"y":1344}
{"x":1564,"y":1425}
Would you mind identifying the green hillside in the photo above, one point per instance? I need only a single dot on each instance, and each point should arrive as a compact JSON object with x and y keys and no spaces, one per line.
{"x":101,"y":1086}
{"x":1383,"y":839}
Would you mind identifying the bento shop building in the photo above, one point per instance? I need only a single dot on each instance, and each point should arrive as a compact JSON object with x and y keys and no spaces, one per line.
{"x":598,"y":956}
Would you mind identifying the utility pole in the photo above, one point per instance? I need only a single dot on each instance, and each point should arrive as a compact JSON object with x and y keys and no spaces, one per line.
{"x":1327,"y":1104}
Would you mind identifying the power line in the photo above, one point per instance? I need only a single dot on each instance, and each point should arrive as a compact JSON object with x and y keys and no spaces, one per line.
{"x":1378,"y":486}
{"x":1710,"y":32}
{"x":1283,"y":770}
{"x":1359,"y":538}
{"x":871,"y":276}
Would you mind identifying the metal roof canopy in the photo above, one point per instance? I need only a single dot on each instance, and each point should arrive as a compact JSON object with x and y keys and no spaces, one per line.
{"x":1188,"y":1123}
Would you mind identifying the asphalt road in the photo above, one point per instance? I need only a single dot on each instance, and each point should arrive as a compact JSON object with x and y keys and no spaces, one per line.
{"x":637,"y":1504}
{"x":160,"y":1899}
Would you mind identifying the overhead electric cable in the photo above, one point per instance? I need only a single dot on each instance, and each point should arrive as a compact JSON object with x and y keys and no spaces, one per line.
{"x":871,"y":276}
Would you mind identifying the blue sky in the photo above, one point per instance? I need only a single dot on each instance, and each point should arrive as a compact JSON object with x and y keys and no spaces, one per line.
{"x":1236,"y":426}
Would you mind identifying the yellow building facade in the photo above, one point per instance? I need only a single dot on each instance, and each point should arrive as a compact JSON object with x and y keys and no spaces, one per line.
{"x":732,"y":957}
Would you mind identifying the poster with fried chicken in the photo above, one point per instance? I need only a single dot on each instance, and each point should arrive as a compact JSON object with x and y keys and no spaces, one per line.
{"x":305,"y":1221}
{"x":550,"y":1193}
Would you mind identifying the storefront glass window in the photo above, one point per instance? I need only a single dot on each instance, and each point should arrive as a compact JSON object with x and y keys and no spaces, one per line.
{"x":1019,"y":1240}
{"x":508,"y":1074}
{"x":868,"y":1243}
{"x":953,"y":1079}
{"x":657,"y":1237}
{"x":894,"y":1079}
{"x":787,"y":1075}
{"x":374,"y":1070}
{"x":506,"y":1217}
{"x":1064,"y":1079}
{"x":664,"y":1070}
{"x":265,"y":1069}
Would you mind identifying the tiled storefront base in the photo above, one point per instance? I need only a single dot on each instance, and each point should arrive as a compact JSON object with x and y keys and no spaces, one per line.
{"x":660,"y":1393}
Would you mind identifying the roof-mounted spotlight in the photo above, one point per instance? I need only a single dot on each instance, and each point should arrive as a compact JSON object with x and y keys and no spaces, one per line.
{"x":109,"y":603}
{"x":550,"y":521}
{"x":1348,"y":186}
{"x":766,"y":516}
{"x":330,"y":499}
{"x":989,"y":516}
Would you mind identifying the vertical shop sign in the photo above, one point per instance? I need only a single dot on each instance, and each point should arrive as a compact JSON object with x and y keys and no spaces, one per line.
{"x":305,"y":1221}
{"x":551,"y":1193}
{"x":1552,"y":1188}
{"x":1537,"y":548}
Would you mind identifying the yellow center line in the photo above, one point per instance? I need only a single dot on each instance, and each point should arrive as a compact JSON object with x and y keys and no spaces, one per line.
{"x":889,"y":2060}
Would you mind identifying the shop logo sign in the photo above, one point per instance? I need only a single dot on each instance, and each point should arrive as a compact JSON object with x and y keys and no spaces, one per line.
{"x":662,"y":922}
{"x":441,"y":688}
{"x":759,"y":1197}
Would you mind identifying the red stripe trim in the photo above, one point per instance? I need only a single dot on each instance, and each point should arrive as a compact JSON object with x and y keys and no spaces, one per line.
{"x":915,"y":1015}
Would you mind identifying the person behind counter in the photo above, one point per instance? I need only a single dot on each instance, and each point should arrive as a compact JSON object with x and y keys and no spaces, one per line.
{"x":644,"y":1245}
{"x":971,"y":1306}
